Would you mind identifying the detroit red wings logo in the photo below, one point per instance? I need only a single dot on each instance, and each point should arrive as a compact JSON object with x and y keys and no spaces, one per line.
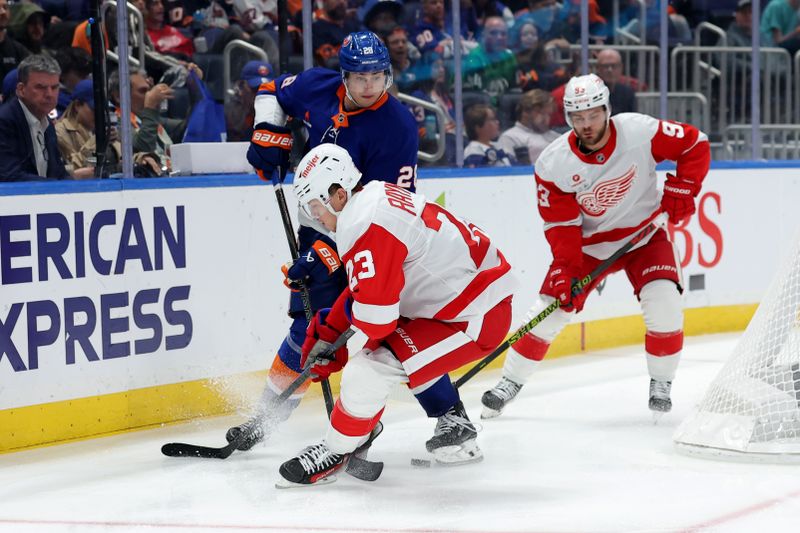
{"x":606,"y":194}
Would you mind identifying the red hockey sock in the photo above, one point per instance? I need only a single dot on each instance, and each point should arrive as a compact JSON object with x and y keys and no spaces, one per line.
{"x":349,"y":425}
{"x":531,"y":347}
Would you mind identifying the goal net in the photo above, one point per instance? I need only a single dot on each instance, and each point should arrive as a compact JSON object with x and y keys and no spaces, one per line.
{"x":751,"y":411}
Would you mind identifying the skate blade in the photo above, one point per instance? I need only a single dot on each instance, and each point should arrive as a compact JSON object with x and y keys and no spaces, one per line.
{"x":420,"y":463}
{"x":476,"y":459}
{"x":657,"y":416}
{"x":466,"y":453}
{"x":488,"y":412}
{"x":286,"y":484}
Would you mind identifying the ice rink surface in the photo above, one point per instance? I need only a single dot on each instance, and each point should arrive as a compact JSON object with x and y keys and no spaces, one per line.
{"x":577,"y":452}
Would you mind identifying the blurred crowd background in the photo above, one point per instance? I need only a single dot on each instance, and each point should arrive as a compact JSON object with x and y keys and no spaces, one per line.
{"x":502,"y":69}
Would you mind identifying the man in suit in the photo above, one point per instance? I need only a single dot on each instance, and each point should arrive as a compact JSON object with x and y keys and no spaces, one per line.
{"x":609,"y":68}
{"x":28,"y":145}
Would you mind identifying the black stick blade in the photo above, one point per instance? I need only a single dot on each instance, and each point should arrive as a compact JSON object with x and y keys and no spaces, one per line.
{"x":364,"y":470}
{"x":180,"y":449}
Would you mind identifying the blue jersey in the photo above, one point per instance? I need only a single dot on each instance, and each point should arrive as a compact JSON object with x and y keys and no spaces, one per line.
{"x":426,"y":37}
{"x":320,"y":268}
{"x":382,"y":139}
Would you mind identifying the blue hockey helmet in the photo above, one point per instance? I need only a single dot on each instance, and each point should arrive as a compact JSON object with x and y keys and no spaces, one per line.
{"x":363,"y":51}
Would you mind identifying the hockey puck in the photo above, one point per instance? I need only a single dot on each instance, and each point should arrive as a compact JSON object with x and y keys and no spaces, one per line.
{"x":422,"y":463}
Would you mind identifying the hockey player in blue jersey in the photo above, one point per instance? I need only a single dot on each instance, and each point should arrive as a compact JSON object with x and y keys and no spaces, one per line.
{"x":353,"y":110}
{"x":318,"y":267}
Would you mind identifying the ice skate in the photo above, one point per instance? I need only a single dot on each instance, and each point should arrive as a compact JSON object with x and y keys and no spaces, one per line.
{"x":454,"y":440}
{"x":315,"y":465}
{"x":495,"y":400}
{"x":660,"y":401}
{"x":254,"y":428}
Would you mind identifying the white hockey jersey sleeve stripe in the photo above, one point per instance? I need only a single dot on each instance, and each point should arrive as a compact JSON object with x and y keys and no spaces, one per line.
{"x":574,"y":222}
{"x":375,"y":314}
{"x":428,"y":355}
{"x":701,"y":138}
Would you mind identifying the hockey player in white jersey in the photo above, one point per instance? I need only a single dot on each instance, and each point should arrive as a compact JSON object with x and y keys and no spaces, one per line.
{"x":596,"y":186}
{"x":429,"y":290}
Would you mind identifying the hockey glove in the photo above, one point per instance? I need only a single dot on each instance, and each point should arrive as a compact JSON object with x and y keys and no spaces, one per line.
{"x":320,"y":335}
{"x":560,"y":279}
{"x":269,"y":149}
{"x":292,"y":284}
{"x":678,"y":198}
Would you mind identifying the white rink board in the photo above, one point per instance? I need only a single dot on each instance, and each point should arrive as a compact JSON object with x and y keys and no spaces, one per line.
{"x":754,"y":212}
{"x":235,"y":244}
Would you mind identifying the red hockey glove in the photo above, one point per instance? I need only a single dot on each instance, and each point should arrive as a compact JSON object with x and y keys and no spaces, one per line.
{"x":326,"y":326}
{"x":560,"y":279}
{"x":678,"y":198}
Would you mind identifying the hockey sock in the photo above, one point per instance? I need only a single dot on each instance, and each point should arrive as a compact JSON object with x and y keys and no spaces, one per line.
{"x":346,"y":432}
{"x":438,"y":398}
{"x":663,"y":354}
{"x":279,"y":378}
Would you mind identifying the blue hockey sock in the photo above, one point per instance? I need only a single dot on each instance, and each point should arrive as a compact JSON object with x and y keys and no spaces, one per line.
{"x":439,"y":397}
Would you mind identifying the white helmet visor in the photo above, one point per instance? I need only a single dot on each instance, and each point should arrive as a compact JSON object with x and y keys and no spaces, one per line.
{"x":316,"y":208}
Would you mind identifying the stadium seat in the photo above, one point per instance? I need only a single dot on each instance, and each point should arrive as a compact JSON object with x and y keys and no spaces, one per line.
{"x":476,"y":97}
{"x":212,"y":65}
{"x":506,"y":109}
{"x":296,"y":65}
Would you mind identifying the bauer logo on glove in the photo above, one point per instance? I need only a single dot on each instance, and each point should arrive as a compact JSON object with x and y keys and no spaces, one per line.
{"x":269,"y":149}
{"x":266,"y":138}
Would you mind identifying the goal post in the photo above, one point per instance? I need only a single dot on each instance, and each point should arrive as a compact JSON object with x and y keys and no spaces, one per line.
{"x":751,"y":411}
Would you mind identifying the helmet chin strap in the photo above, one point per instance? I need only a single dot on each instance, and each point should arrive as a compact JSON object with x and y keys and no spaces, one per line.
{"x":386,"y":85}
{"x":350,"y":96}
{"x":329,"y":207}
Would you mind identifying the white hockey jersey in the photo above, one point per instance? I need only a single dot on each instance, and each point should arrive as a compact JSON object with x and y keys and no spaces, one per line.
{"x":407,"y":257}
{"x":613,"y":192}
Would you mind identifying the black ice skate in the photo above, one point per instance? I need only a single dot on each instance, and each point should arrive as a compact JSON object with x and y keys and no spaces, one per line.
{"x":496,"y":399}
{"x":314,"y":465}
{"x":454,"y":439}
{"x":660,"y":401}
{"x":260,"y":426}
{"x":253,"y":430}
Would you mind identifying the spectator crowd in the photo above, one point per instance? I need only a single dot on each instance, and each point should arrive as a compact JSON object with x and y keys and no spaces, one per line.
{"x":516,"y":60}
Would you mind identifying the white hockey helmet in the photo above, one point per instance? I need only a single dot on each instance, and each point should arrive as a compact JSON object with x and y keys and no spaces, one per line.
{"x":325,"y":165}
{"x":585,"y":92}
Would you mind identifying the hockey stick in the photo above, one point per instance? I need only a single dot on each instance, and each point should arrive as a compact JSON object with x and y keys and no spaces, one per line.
{"x":277,"y":183}
{"x":654,"y":224}
{"x":180,"y":449}
{"x":358,"y":466}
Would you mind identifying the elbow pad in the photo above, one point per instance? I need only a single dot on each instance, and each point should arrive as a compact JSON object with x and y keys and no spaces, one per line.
{"x":267,"y":109}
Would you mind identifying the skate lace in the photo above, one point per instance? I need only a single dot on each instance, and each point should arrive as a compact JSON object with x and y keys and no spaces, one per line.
{"x":661,"y":389}
{"x":506,"y":389}
{"x":317,"y":457}
{"x":254,"y":426}
{"x":449,"y":421}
